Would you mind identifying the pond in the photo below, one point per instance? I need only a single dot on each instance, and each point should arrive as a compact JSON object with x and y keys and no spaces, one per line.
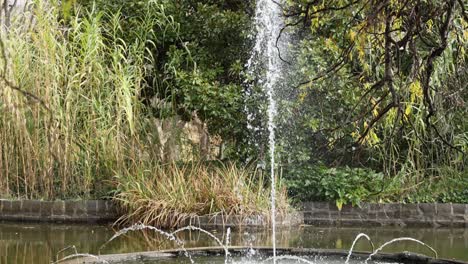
{"x":42,"y":243}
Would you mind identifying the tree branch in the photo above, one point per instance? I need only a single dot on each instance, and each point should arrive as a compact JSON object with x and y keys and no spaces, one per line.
{"x":8,"y":83}
{"x":380,"y":115}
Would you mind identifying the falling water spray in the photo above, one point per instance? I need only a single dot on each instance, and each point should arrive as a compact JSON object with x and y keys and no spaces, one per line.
{"x":265,"y":56}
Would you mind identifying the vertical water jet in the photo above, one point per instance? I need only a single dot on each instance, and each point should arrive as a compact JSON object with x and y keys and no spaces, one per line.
{"x":266,"y":63}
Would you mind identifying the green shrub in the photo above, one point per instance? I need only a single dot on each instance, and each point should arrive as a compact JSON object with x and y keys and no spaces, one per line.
{"x":449,"y":187}
{"x":342,"y":185}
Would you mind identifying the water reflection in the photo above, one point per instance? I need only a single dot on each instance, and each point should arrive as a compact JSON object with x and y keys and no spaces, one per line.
{"x":40,"y":243}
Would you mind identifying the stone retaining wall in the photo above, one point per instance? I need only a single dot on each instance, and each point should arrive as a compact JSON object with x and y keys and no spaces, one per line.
{"x":312,"y":213}
{"x":417,"y":215}
{"x":58,"y":211}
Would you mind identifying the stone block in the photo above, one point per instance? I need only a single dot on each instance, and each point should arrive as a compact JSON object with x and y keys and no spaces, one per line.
{"x":73,"y":211}
{"x":111,"y":207}
{"x":458,"y":209}
{"x":69,"y":207}
{"x":370,"y":216}
{"x":444,"y":210}
{"x":58,"y":208}
{"x":321,"y":222}
{"x":46,"y":208}
{"x":75,"y":208}
{"x":16,"y":206}
{"x":320,"y":215}
{"x":350,"y":215}
{"x":382,"y":215}
{"x":6,"y":206}
{"x":307,"y":206}
{"x":91,"y":207}
{"x":348,"y":208}
{"x":392,"y":210}
{"x":81,"y":208}
{"x":444,"y":216}
{"x":101,"y":206}
{"x":335,"y":214}
{"x":313,"y":217}
{"x":375,"y":207}
{"x":410,"y":211}
{"x":459,"y":213}
{"x":364,"y":209}
{"x":427,"y":209}
{"x":459,"y":217}
{"x":31,"y":207}
{"x":308,"y":215}
{"x":377,"y":212}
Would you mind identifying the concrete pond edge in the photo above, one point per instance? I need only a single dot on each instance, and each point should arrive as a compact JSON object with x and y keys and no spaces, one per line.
{"x":433,"y":215}
{"x":310,"y":213}
{"x":82,"y":211}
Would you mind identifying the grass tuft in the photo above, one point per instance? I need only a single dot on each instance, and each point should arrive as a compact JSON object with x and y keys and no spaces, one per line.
{"x":170,"y":194}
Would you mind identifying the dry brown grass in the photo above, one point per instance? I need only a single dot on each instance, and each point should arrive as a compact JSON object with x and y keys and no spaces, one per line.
{"x":169,"y":194}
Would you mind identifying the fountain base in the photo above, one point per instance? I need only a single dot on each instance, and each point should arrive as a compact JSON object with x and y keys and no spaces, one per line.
{"x":259,"y":255}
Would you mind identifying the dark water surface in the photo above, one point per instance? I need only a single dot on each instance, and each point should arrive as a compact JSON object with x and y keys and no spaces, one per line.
{"x":40,"y":243}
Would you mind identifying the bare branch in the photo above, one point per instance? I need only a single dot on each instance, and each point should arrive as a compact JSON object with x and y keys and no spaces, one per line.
{"x":12,"y":86}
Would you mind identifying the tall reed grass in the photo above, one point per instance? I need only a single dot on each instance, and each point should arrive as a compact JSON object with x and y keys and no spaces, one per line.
{"x":78,"y":126}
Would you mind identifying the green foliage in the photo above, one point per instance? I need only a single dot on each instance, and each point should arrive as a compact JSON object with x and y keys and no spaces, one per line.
{"x":445,"y":189}
{"x":342,"y":185}
{"x":355,"y":185}
{"x":199,"y":49}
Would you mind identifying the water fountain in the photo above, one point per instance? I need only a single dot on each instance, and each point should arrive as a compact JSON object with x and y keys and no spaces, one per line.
{"x":268,"y":21}
{"x":265,"y":55}
{"x":252,"y":255}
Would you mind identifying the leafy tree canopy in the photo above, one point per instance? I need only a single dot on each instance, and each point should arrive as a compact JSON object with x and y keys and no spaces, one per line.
{"x":393,"y":69}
